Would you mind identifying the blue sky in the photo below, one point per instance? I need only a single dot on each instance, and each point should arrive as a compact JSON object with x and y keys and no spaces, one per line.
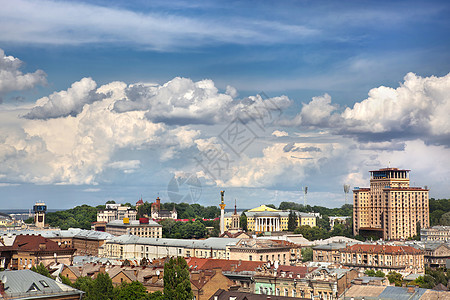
{"x":111,"y":99}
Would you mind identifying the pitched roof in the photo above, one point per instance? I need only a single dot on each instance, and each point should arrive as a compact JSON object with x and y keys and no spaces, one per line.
{"x":385,"y":249}
{"x":31,"y":285}
{"x":224,"y":264}
{"x":36,"y":243}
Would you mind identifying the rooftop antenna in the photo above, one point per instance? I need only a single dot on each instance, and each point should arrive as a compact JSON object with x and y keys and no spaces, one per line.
{"x":346,"y":190}
{"x":305,"y":191}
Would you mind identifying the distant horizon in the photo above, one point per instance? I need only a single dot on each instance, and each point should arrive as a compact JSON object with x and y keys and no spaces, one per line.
{"x":121,"y":99}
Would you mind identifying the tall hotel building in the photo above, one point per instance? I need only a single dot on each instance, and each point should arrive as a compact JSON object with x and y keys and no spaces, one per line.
{"x":390,"y":208}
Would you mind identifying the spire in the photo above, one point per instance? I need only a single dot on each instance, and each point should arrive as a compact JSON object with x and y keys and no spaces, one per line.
{"x":235,"y":211}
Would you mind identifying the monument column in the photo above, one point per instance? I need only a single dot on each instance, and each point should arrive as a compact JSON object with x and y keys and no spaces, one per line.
{"x":222,"y":213}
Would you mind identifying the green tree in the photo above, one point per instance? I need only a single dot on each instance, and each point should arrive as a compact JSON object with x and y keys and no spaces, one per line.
{"x":155,"y":296}
{"x":426,"y":282}
{"x":395,"y":278}
{"x":132,"y":290}
{"x":324,"y":223}
{"x":65,"y":280}
{"x":292,"y":221}
{"x":312,"y":234}
{"x":177,"y":285}
{"x":370,"y":273}
{"x":85,"y":284}
{"x":445,"y":219}
{"x":41,"y":269}
{"x":243,"y":221}
{"x":110,"y":202}
{"x":103,"y":287}
{"x":380,"y":274}
{"x":307,"y":254}
{"x":271,"y":206}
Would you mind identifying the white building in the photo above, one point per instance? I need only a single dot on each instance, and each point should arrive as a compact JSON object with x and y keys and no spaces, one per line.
{"x":435,"y":233}
{"x":116,"y":212}
{"x":134,"y":247}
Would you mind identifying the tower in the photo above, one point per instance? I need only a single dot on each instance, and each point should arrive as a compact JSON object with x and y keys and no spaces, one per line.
{"x":235,"y":219}
{"x":390,"y":209}
{"x":346,"y":190}
{"x":39,"y":214}
{"x":222,"y":213}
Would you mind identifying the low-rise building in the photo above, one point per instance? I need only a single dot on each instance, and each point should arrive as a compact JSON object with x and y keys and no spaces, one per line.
{"x":435,"y":234}
{"x":261,"y":250}
{"x":436,"y":254}
{"x":267,"y":219}
{"x":116,"y":212}
{"x":328,"y":252}
{"x":337,"y":220}
{"x":142,"y":227}
{"x":360,"y":292}
{"x":26,"y":284}
{"x":31,"y":250}
{"x":135,"y":247}
{"x":303,"y":282}
{"x":383,"y":257}
{"x":158,"y":213}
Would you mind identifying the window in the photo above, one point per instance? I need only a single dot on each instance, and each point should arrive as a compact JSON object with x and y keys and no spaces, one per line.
{"x":294,"y":293}
{"x":250,"y":258}
{"x":286,"y":292}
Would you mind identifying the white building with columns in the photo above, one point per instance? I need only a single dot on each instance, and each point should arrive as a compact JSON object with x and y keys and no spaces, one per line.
{"x":267,"y":219}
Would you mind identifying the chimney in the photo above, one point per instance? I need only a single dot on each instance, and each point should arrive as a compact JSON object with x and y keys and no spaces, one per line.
{"x":411,"y":289}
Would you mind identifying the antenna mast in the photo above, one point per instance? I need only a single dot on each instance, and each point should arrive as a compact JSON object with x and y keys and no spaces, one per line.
{"x":305,"y":191}
{"x":346,"y":190}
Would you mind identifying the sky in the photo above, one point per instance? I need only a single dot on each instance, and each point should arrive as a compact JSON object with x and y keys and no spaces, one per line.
{"x":118,"y":100}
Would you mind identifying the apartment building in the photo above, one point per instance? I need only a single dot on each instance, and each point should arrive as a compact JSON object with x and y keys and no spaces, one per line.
{"x":142,"y":227}
{"x":390,"y":209}
{"x":135,"y":247}
{"x":384,"y":258}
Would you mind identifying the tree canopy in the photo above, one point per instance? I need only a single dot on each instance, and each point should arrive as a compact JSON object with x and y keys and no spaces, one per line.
{"x":177,"y":284}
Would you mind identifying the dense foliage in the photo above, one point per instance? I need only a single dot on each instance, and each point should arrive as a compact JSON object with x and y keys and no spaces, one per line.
{"x":345,"y":210}
{"x":177,"y":284}
{"x":183,"y":230}
{"x":307,"y":254}
{"x":439,"y":211}
{"x":77,"y":217}
{"x":374,"y":273}
{"x":184,"y":210}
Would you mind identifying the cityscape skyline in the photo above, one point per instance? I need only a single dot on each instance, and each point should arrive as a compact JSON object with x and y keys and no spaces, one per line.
{"x":117,"y":101}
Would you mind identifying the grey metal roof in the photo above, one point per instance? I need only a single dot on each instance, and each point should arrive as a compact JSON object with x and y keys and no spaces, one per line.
{"x":330,"y":246}
{"x":400,"y":293}
{"x":30,"y":285}
{"x":71,"y":232}
{"x":213,"y":242}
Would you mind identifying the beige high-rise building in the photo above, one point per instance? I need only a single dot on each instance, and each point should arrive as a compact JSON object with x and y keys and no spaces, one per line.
{"x":390,"y":208}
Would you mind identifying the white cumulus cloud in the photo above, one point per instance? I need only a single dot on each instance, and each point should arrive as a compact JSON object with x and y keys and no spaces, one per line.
{"x":12,"y":78}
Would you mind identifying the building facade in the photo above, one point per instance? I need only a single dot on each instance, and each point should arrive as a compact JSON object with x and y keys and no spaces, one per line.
{"x":390,"y":208}
{"x":435,"y":234}
{"x":116,"y":212}
{"x":384,"y":258}
{"x":261,"y":250}
{"x":134,"y":247}
{"x":158,"y":214}
{"x":142,"y":227}
{"x":267,"y":219}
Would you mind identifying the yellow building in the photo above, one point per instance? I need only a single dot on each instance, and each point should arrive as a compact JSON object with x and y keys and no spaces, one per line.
{"x":390,"y":208}
{"x":264,"y":218}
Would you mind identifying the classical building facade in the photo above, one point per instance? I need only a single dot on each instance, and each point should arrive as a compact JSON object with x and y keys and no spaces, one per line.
{"x":135,"y":247}
{"x":261,"y":250}
{"x":384,"y":258}
{"x":435,"y":234}
{"x":142,"y":227}
{"x":116,"y":212}
{"x":303,"y":282}
{"x":267,"y":219}
{"x":390,"y":208}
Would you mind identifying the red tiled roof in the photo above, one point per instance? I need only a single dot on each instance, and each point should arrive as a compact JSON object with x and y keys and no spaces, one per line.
{"x":224,"y":264}
{"x":381,"y":249}
{"x":35,"y":243}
